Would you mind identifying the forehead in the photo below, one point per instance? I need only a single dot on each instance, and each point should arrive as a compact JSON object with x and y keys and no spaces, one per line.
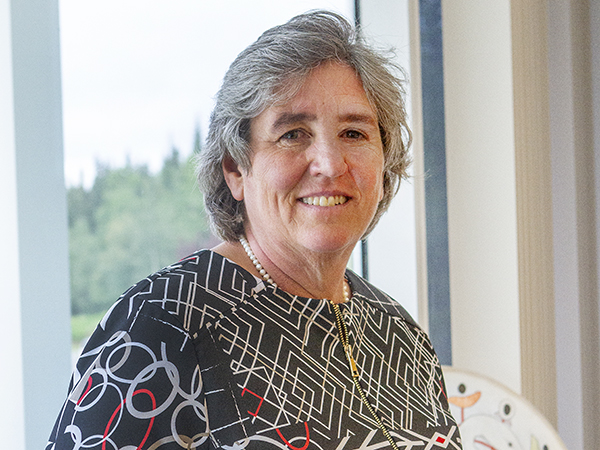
{"x":331,"y":83}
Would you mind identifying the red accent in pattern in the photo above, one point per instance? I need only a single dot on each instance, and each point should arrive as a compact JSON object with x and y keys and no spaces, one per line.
{"x":440,"y":439}
{"x":87,"y":389}
{"x":443,"y":390}
{"x":255,"y":413}
{"x":290,"y":445}
{"x":139,"y":391}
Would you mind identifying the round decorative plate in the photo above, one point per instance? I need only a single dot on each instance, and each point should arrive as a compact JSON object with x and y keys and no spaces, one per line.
{"x":492,"y":417}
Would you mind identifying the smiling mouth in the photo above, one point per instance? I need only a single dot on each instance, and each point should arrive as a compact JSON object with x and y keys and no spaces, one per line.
{"x":325,"y":201}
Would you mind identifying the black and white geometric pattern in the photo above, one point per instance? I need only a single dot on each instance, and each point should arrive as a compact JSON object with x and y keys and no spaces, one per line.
{"x":204,"y":355}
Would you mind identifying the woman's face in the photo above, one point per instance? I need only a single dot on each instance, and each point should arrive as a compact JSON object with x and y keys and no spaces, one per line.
{"x":317,"y":166}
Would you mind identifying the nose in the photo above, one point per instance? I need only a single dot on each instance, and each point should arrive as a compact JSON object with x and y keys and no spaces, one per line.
{"x":327,"y":159}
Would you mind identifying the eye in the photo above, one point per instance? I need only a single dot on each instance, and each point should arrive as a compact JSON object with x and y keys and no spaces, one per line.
{"x":353,"y":134}
{"x":291,"y":135}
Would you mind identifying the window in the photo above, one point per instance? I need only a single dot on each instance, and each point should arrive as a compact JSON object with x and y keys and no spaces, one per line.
{"x":138,"y":82}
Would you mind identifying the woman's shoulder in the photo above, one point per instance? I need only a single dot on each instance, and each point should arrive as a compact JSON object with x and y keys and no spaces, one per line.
{"x":172,"y":304}
{"x":192,"y":291}
{"x":377,"y":298}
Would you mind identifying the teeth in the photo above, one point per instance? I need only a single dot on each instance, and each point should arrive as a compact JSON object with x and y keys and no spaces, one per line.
{"x":325,"y":201}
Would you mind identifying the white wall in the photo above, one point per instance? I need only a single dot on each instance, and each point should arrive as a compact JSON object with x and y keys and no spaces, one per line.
{"x":35,"y":332}
{"x":574,"y":68}
{"x":495,"y":138}
{"x":568,"y":330}
{"x":482,"y":223}
{"x":12,"y":419}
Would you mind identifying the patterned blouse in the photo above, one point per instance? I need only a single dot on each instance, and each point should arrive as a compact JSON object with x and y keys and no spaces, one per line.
{"x":204,"y":355}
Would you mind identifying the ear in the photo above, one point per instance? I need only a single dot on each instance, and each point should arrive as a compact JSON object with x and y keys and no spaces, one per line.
{"x":233,"y":177}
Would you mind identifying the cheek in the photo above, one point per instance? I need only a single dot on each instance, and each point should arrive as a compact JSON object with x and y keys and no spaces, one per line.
{"x":369,"y":180}
{"x":375,"y":176}
{"x":287,"y":169}
{"x":276,"y":176}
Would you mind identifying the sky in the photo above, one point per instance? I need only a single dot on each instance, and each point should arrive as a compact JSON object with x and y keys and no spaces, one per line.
{"x":138,"y":77}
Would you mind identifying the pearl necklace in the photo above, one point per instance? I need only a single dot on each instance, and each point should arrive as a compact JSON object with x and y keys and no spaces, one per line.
{"x":257,"y":264}
{"x":265,"y":276}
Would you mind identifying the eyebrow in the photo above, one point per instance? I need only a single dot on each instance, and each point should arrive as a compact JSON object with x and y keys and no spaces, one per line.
{"x":359,"y":118}
{"x":286,"y":119}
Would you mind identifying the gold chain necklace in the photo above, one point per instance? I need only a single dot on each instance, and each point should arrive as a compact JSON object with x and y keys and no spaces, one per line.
{"x":343,"y":334}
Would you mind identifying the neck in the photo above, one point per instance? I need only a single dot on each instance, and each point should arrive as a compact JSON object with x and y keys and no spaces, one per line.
{"x":314,"y":275}
{"x":305,"y":277}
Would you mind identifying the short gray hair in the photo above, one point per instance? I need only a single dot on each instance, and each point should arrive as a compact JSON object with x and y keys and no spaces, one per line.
{"x":271,"y":70}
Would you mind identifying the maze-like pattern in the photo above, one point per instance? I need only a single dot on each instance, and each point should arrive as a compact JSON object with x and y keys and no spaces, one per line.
{"x":202,"y":353}
{"x":285,"y":350}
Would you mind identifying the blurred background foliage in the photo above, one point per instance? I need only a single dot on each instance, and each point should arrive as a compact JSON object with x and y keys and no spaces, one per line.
{"x":129,"y":224}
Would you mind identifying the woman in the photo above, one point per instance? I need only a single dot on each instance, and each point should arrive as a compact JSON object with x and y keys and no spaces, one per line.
{"x":267,"y":341}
